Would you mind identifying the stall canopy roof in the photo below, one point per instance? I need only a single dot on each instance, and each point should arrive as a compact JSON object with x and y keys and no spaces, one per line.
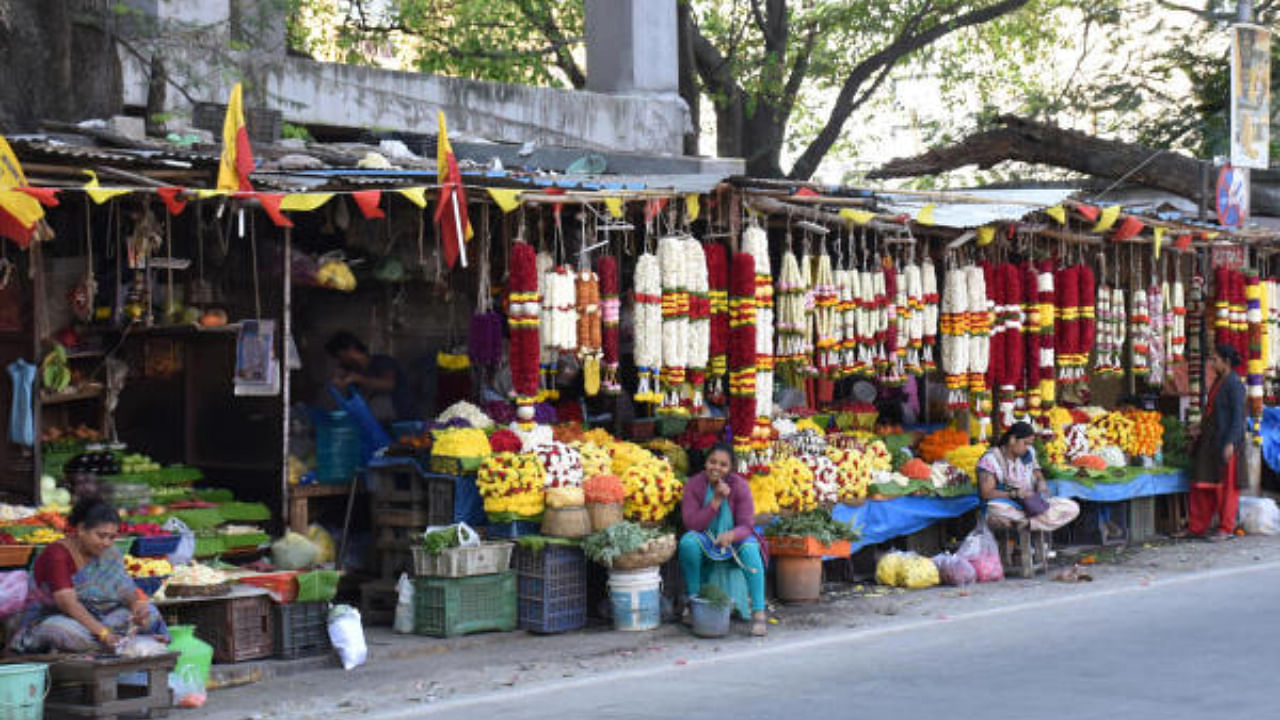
{"x":975,"y":208}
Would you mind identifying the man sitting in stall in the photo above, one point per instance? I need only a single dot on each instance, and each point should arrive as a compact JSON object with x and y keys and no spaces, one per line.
{"x":377,"y":377}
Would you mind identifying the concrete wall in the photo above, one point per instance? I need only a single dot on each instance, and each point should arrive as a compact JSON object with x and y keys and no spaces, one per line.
{"x":309,"y":92}
{"x":631,"y":46}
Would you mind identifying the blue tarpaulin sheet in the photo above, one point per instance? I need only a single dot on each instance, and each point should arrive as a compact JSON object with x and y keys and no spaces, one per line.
{"x":1141,"y":486}
{"x":882,"y":520}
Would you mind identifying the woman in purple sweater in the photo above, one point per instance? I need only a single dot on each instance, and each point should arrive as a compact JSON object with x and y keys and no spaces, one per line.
{"x":721,"y":545}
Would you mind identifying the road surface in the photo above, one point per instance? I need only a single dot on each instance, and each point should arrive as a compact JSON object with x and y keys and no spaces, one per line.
{"x":1192,"y":646}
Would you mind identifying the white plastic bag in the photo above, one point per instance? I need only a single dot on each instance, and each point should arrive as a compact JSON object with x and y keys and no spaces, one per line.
{"x":13,"y":592}
{"x":186,"y":544}
{"x":188,"y":687}
{"x":403,"y":622}
{"x":980,"y":549}
{"x":467,"y":537}
{"x":1259,"y":516}
{"x":294,"y":552}
{"x":347,"y":635}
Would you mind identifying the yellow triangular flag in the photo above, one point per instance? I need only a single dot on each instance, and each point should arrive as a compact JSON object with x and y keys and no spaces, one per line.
{"x":98,"y":194}
{"x":925,"y":217}
{"x":692,"y":207}
{"x":304,"y":202}
{"x":24,"y":208}
{"x":1057,"y":212}
{"x":1213,"y":235}
{"x":416,"y":195}
{"x":857,"y":217}
{"x":1159,"y":239}
{"x":986,"y":234}
{"x":206,"y":193}
{"x":614,"y":206}
{"x":1107,"y":219}
{"x":508,"y":200}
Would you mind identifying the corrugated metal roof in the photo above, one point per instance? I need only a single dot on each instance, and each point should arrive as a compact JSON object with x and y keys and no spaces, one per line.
{"x":989,"y":206}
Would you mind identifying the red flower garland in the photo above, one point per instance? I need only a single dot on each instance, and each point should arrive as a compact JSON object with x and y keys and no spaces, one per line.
{"x":610,"y":307}
{"x":1088,"y":322}
{"x":718,"y":281}
{"x":1031,"y":313}
{"x":1045,"y":289}
{"x":524,"y":307}
{"x":996,"y":296}
{"x":742,"y":352}
{"x":1067,"y":336}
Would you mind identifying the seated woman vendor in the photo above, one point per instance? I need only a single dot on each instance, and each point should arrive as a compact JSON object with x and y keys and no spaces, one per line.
{"x":84,"y":599}
{"x":1014,"y":489}
{"x":721,"y":546}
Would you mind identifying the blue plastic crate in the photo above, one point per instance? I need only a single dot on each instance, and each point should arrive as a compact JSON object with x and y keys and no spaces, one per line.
{"x":551,"y":588}
{"x":149,"y":585}
{"x":511,"y":530}
{"x":157,"y":546}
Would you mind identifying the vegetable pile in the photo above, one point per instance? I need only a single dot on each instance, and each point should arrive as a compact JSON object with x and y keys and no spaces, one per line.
{"x":817,"y":524}
{"x":619,"y":539}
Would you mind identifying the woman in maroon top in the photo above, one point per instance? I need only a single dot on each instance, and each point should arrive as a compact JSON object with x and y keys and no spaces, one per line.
{"x":721,"y":546}
{"x":84,"y":597}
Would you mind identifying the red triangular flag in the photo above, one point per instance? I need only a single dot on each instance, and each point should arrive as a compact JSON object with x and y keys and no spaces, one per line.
{"x":367,"y":201}
{"x":806,"y":192}
{"x":270,"y":203}
{"x":652,"y":208}
{"x":16,"y":231}
{"x":1129,"y":227}
{"x":173,"y":200}
{"x":1090,"y":212}
{"x":47,"y":197}
{"x":1182,"y":243}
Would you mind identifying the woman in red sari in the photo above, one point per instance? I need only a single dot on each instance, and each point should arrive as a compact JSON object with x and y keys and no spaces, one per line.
{"x":1218,"y":452}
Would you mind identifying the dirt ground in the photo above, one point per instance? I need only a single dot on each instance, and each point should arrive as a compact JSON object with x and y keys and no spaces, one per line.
{"x":405,"y":671}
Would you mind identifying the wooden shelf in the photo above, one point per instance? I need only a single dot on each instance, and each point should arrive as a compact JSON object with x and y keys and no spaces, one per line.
{"x":63,"y":398}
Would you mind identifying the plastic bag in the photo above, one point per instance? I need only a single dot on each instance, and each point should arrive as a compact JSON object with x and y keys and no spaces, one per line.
{"x":317,"y":585}
{"x":889,"y":569}
{"x":141,"y":646}
{"x":293,"y":552}
{"x":186,"y":549}
{"x":1259,"y":516}
{"x":13,"y":592}
{"x":403,"y":622}
{"x":347,"y":635}
{"x":954,"y":570}
{"x":188,"y":687}
{"x":980,"y":549}
{"x":323,"y":542}
{"x":467,"y":536}
{"x":906,"y":570}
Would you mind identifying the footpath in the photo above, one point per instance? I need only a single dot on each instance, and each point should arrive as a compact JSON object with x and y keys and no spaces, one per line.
{"x":407,"y":671}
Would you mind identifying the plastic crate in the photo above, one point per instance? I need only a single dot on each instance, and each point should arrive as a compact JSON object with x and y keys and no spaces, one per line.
{"x":551,"y":588}
{"x":454,"y":465}
{"x":156,"y":545}
{"x":149,"y":585}
{"x":15,"y":556}
{"x":484,"y":559}
{"x":511,"y":530}
{"x":447,"y":607}
{"x":302,"y":629}
{"x":283,"y":586}
{"x":238,"y":628}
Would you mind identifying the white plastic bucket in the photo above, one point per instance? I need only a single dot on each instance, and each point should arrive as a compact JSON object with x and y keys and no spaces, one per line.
{"x":22,"y":691}
{"x":636,"y":598}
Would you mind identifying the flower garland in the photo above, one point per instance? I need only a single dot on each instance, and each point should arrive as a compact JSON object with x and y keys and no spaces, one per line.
{"x":1255,"y":366}
{"x":929,"y":316}
{"x":1047,"y":294}
{"x":523,"y":309}
{"x":587,"y":298}
{"x":675,"y":321}
{"x":828,"y":324}
{"x":1107,"y":360}
{"x":1067,"y":335}
{"x":742,"y":355}
{"x":1195,"y":350}
{"x":559,"y":325}
{"x":1178,"y":328}
{"x":699,"y":293}
{"x":880,"y":279}
{"x":755,"y":241}
{"x":953,"y":327}
{"x":864,"y":293}
{"x":1012,"y":349}
{"x":610,"y":315}
{"x":790,"y":318}
{"x":1031,"y":332}
{"x":847,"y":281}
{"x":1272,"y":344}
{"x":648,"y":328}
{"x":718,"y":294}
{"x":911,"y":318}
{"x":1155,"y":335}
{"x":1139,"y":334}
{"x":1087,"y":312}
{"x":979,"y":328}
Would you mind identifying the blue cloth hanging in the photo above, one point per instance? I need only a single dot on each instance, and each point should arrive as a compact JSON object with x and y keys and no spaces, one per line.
{"x":22,"y":421}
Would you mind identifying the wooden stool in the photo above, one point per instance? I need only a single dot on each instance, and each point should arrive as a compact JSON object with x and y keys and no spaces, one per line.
{"x":84,"y":686}
{"x":1027,"y":560}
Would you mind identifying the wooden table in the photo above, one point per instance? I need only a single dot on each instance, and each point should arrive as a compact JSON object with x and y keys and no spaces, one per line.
{"x":89,"y":686}
{"x":300,"y":497}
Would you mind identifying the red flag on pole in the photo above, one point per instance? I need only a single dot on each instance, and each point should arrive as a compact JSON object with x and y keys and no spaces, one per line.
{"x":451,"y":212}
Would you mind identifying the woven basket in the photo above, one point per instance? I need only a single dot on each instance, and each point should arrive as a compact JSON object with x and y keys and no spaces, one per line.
{"x":188,"y":591}
{"x":604,"y":515}
{"x":567,"y":522}
{"x":658,"y":553}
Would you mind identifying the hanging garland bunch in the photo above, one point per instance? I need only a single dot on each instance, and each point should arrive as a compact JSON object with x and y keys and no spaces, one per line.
{"x":742,"y":355}
{"x":1048,"y":321}
{"x":587,"y":295}
{"x":1155,"y":335}
{"x":790,"y":322}
{"x":755,"y":241}
{"x":1088,"y":320}
{"x":1067,"y":335}
{"x":718,"y":295}
{"x":979,"y":329}
{"x":1239,"y":314}
{"x":847,"y":280}
{"x":1254,"y":368}
{"x":675,"y":321}
{"x":865,"y":293}
{"x":929,"y":316}
{"x":953,"y":327}
{"x":546,"y":266}
{"x":828,"y":325}
{"x":610,"y":314}
{"x":1014,"y":350}
{"x":1178,"y":332}
{"x":648,"y":328}
{"x":914,"y":310}
{"x":523,"y":312}
{"x":1196,"y":306}
{"x":1107,"y":360}
{"x":699,"y":293}
{"x":1139,"y":332}
{"x":1273,"y":336}
{"x":994,"y":275}
{"x":1031,"y":333}
{"x":563,"y":297}
{"x":886,"y":344}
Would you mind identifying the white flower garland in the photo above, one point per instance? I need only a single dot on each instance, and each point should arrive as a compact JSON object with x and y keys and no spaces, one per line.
{"x":545,"y":265}
{"x":562,"y":464}
{"x":980,"y":332}
{"x":790,"y":321}
{"x":562,"y":295}
{"x":929,"y":280}
{"x":648,"y":326}
{"x":756,"y":242}
{"x":675,"y":317}
{"x":953,"y":325}
{"x":847,"y":280}
{"x":828,"y":327}
{"x":698,"y":284}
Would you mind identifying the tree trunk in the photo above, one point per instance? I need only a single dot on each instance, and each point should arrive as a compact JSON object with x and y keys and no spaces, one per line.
{"x":157,"y":86}
{"x":689,"y":89}
{"x":1038,"y":143}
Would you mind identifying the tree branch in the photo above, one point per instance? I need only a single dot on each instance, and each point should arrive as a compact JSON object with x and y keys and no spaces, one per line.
{"x":906,"y":43}
{"x":798,"y":72}
{"x":546,"y":24}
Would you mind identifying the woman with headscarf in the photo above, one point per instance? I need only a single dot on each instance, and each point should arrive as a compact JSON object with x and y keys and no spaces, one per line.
{"x":1218,"y":451}
{"x":1014,"y":489}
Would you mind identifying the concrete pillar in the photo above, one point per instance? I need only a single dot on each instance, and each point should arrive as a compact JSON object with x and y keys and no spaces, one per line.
{"x":632,"y":46}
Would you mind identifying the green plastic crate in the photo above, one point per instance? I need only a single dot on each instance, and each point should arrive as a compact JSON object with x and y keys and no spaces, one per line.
{"x":447,"y":607}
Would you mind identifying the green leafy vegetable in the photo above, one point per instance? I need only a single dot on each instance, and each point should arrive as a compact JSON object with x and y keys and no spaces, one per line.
{"x":817,"y":524}
{"x":714,"y":596}
{"x":436,"y":541}
{"x":618,"y":539}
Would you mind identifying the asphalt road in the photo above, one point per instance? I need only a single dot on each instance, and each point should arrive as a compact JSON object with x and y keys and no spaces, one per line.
{"x":1194,"y":646}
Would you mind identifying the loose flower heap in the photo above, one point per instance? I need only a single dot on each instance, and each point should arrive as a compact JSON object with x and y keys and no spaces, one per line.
{"x":675,"y":321}
{"x":561,"y":463}
{"x":826,"y":478}
{"x":966,"y":457}
{"x":604,"y":489}
{"x":610,"y":334}
{"x":855,"y":468}
{"x":461,"y":443}
{"x":652,"y":488}
{"x":512,"y":484}
{"x":590,"y":341}
{"x":794,"y":483}
{"x":742,"y":356}
{"x":696,"y":277}
{"x":523,"y":307}
{"x":764,"y":493}
{"x":596,"y":459}
{"x":1147,"y":433}
{"x":1117,"y":430}
{"x":648,"y":328}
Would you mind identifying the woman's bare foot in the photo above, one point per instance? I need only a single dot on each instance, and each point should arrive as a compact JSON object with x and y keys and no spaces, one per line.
{"x":759,"y":624}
